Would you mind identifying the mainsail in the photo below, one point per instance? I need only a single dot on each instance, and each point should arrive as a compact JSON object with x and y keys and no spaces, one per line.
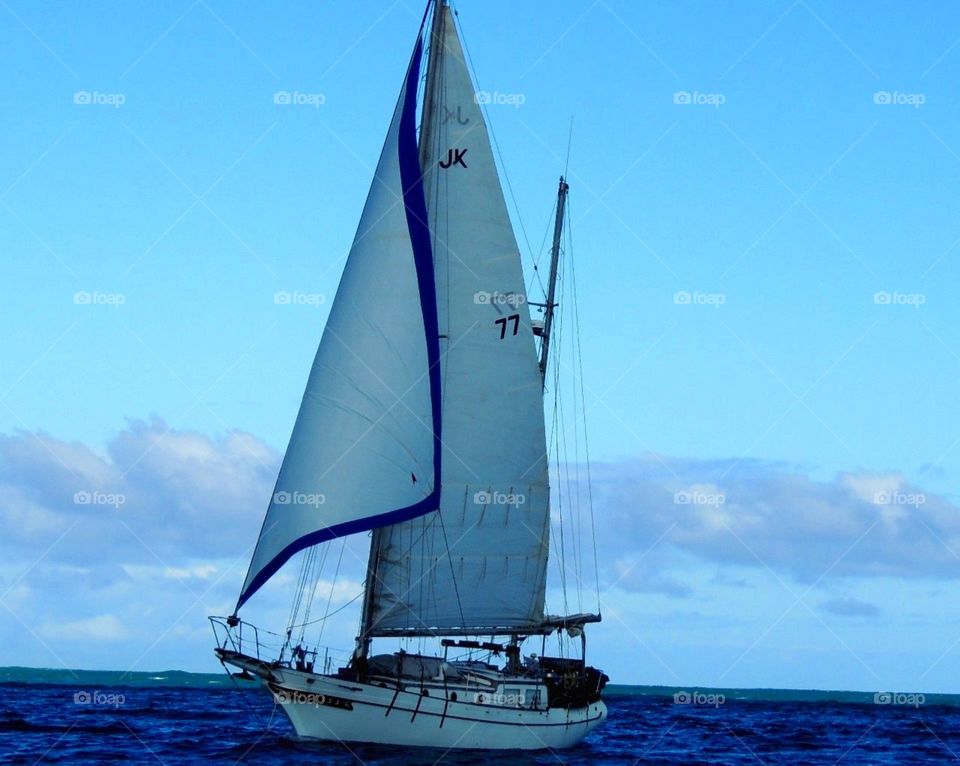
{"x":479,"y":564}
{"x":364,"y":451}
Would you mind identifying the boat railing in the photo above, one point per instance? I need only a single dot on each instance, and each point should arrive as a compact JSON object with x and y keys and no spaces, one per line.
{"x":233,"y":634}
{"x":246,"y":638}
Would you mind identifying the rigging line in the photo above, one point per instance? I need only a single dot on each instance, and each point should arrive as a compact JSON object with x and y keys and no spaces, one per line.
{"x":298,"y":593}
{"x":566,"y":457}
{"x":301,"y":579}
{"x":564,"y":462}
{"x":579,"y":424}
{"x":446,"y":544}
{"x":573,"y":499}
{"x":334,"y":612}
{"x":333,"y":584}
{"x":540,"y":253}
{"x":315,"y":576}
{"x":542,"y":250}
{"x":243,"y":691}
{"x":312,"y":584}
{"x":586,"y":440}
{"x":556,"y":532}
{"x":574,"y":503}
{"x":493,"y":135}
{"x":552,"y":449}
{"x":557,"y":429}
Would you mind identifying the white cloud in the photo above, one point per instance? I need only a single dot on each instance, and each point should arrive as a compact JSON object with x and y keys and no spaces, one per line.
{"x":156,"y":495}
{"x":772,"y":517}
{"x":124,"y":584}
{"x":189,"y":500}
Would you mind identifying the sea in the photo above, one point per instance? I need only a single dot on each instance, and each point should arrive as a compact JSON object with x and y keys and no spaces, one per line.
{"x":185,"y":719}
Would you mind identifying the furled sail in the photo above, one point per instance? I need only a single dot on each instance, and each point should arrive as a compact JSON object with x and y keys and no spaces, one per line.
{"x":364,"y":451}
{"x":479,"y":564}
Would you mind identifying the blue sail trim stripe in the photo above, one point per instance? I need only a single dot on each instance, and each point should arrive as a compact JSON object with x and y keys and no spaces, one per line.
{"x":415,"y":204}
{"x":416,"y":211}
{"x":426,"y":505}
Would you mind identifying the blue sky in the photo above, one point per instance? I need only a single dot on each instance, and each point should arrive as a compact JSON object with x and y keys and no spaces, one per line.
{"x":782,"y":199}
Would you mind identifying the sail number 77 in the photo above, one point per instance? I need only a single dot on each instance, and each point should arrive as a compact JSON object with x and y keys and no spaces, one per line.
{"x":504,"y":321}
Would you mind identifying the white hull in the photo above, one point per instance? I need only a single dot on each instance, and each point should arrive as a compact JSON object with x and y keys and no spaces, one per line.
{"x":342,"y":710}
{"x":332,"y":709}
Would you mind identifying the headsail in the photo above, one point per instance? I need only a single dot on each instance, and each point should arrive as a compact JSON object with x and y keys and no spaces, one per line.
{"x":480,"y":563}
{"x":365,"y":447}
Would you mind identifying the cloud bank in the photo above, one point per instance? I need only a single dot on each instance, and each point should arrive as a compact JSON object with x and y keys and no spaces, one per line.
{"x":184,"y":495}
{"x":111,"y":547}
{"x":189,"y":498}
{"x":775,"y":517}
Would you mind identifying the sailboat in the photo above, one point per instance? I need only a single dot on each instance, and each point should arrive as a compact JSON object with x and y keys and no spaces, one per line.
{"x":422,"y":425}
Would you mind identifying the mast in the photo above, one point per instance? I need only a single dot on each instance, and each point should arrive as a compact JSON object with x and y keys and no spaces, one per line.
{"x":429,"y":109}
{"x":433,"y":67}
{"x":366,"y":612}
{"x":551,"y":291}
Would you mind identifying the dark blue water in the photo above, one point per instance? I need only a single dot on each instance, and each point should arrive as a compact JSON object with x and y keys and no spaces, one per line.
{"x":41,"y":724}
